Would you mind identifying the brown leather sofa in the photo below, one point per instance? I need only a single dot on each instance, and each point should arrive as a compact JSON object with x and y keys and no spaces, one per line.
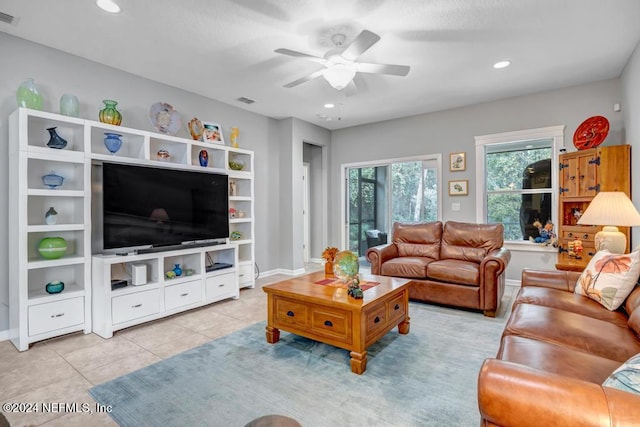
{"x":556,"y":351}
{"x":460,"y":264}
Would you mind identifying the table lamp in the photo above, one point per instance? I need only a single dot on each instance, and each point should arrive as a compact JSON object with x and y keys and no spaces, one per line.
{"x":607,"y":208}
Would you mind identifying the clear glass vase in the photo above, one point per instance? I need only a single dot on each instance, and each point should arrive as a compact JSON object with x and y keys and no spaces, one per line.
{"x":69,"y":105}
{"x":28,"y":96}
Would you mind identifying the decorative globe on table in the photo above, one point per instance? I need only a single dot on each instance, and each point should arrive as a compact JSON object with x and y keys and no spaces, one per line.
{"x":345,"y":267}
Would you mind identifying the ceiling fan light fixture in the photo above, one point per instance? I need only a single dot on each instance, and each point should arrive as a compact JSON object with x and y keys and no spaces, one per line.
{"x":108,"y":6}
{"x":339,"y":75}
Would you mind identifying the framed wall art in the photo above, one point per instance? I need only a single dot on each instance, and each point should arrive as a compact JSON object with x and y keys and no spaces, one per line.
{"x":457,"y":162}
{"x":212,"y":132}
{"x":459,"y":187}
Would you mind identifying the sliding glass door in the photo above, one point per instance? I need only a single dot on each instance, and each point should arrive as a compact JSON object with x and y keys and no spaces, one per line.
{"x":379,"y":194}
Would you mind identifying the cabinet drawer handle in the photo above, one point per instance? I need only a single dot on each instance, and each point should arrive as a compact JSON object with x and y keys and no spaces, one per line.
{"x":136,"y":306}
{"x":570,"y":234}
{"x":221,"y":285}
{"x":242,"y":275}
{"x":397,"y":307}
{"x":57,"y":315}
{"x":376,"y":320}
{"x":328,"y":323}
{"x":586,"y":236}
{"x":185,"y":294}
{"x":290,"y":313}
{"x":572,"y":178}
{"x":581,"y":176}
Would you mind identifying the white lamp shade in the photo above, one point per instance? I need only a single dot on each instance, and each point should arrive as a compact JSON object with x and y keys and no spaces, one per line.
{"x":611,"y":209}
{"x":339,"y":75}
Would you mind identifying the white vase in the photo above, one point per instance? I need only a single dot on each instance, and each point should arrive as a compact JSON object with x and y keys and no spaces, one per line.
{"x":51,"y":216}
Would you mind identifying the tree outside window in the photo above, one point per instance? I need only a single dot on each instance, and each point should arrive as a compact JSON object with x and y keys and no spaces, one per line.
{"x":519,"y":187}
{"x":516,"y":179}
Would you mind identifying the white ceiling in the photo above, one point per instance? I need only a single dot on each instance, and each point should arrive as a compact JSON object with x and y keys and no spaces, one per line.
{"x":224,"y":49}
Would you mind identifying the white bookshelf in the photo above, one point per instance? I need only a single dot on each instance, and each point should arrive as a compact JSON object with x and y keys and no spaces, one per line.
{"x":29,"y":199}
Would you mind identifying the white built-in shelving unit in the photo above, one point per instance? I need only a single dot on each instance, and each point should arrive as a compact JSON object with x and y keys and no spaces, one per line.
{"x":36,"y":315}
{"x":160,"y":296}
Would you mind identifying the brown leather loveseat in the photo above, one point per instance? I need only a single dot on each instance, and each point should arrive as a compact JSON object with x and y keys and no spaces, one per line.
{"x":458,"y":264}
{"x":557,"y":350}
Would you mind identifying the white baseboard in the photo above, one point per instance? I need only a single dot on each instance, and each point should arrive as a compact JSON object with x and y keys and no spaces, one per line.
{"x":316,"y":260}
{"x":512,"y":282}
{"x":282,"y":271}
{"x":4,"y":322}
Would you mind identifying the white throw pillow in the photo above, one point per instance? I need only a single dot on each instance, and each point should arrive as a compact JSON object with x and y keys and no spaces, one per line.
{"x":626,"y":377}
{"x":609,"y":278}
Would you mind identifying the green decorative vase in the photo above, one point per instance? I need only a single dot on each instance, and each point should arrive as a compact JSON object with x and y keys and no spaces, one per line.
{"x":346,"y":267}
{"x":28,"y":95}
{"x":52,"y":247}
{"x":109,"y":114}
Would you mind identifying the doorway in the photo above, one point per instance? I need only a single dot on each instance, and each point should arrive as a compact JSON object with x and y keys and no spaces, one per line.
{"x":380,"y":193}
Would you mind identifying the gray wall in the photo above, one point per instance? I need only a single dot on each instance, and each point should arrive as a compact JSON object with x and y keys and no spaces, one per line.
{"x":454,"y":130}
{"x":631,"y":110}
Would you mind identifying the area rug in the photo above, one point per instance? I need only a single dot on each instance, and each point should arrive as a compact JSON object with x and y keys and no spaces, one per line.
{"x":425,"y":378}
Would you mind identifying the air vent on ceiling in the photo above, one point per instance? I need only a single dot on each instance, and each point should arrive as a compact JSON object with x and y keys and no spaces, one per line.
{"x":4,"y":17}
{"x":246,"y":100}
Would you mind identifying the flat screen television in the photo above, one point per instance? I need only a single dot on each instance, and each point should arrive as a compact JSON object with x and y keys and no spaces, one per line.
{"x":148,"y":207}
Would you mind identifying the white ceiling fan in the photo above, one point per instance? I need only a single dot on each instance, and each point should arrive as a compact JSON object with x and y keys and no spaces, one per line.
{"x":340,"y":62}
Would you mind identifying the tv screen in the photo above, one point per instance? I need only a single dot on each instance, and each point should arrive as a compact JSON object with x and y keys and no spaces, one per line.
{"x":147,"y":206}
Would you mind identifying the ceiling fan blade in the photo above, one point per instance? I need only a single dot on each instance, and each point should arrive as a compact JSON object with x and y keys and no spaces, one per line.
{"x":364,"y":41}
{"x":394,"y":70}
{"x":305,"y":79}
{"x":295,"y":54}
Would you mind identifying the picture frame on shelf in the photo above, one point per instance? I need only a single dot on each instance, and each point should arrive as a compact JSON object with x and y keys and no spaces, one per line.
{"x":212,"y":132}
{"x":459,"y":187}
{"x":457,"y":162}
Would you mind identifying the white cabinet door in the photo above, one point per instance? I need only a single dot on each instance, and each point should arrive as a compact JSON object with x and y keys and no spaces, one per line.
{"x":55,"y":315}
{"x":182,"y":294}
{"x":135,"y":306}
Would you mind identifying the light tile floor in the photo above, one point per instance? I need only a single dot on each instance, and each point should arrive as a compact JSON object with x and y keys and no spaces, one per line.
{"x":62,"y":370}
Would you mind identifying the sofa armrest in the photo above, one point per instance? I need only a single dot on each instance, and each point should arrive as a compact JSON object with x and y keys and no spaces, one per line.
{"x":510,"y":394}
{"x":500,"y":257}
{"x":377,"y":255}
{"x":555,"y":279}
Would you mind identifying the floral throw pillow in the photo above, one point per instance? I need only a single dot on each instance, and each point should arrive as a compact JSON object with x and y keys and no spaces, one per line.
{"x":626,"y":377}
{"x":609,"y":278}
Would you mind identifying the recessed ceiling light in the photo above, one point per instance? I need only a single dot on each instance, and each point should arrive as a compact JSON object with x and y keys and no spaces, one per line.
{"x":501,"y":64}
{"x":108,"y":6}
{"x":329,"y":105}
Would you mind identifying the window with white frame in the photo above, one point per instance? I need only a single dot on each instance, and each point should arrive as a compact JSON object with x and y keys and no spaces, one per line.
{"x":517,"y":180}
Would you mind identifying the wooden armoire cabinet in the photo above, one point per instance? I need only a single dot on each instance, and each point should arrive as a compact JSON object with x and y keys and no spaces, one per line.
{"x":583,"y":174}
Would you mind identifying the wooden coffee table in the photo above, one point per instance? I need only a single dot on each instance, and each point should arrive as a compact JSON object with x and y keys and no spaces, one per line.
{"x":327,"y":314}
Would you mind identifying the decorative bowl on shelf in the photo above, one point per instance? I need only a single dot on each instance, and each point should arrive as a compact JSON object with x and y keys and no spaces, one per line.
{"x":52,"y":247}
{"x":163,"y":155}
{"x":236,"y":164}
{"x":52,"y":180}
{"x":235,"y":235}
{"x":54,"y":287}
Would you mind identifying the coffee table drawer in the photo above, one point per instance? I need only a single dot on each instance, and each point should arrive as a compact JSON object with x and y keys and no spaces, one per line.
{"x":398,"y":307}
{"x":335,"y":324}
{"x":377,"y":319}
{"x":289,"y":312}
